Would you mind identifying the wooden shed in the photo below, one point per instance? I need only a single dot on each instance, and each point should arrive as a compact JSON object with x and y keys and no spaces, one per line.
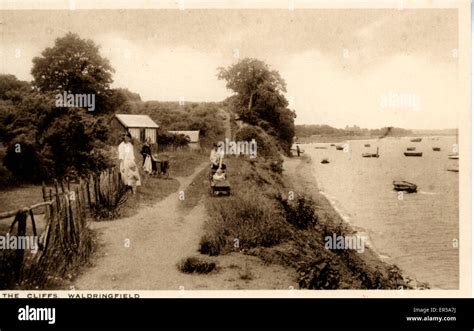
{"x":139,"y":126}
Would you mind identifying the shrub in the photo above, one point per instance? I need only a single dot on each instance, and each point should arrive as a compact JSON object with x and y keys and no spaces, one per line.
{"x":212,"y":243}
{"x":277,"y":166}
{"x":319,"y":274}
{"x":196,"y":265}
{"x":301,"y":213}
{"x":266,"y":145}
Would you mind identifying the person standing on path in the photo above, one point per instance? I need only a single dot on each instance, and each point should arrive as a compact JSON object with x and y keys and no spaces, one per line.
{"x":146,"y":153}
{"x":128,"y":167}
{"x":216,"y":157}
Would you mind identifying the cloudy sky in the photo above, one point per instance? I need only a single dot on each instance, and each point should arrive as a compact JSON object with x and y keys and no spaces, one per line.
{"x":338,"y":64}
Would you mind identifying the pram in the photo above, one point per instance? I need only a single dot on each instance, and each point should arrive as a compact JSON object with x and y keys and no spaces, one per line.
{"x":218,"y":187}
{"x":160,"y":166}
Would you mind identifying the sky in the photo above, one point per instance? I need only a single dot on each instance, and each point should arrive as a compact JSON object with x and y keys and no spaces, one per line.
{"x":364,"y":67}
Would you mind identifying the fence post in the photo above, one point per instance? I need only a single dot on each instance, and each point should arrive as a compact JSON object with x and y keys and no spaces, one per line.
{"x":20,"y":252}
{"x":46,"y":208}
{"x":89,"y":201}
{"x":51,"y":206}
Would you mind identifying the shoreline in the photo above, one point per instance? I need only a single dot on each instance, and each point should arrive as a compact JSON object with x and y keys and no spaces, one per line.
{"x":299,"y":172}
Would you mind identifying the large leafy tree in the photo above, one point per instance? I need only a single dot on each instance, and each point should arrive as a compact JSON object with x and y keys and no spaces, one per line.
{"x":260,"y":98}
{"x":74,"y":65}
{"x":57,"y":141}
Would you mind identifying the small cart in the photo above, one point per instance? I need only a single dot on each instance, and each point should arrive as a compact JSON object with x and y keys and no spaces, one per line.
{"x":219,"y":187}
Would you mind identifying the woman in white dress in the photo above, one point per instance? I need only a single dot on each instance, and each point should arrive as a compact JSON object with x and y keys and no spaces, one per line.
{"x":128,"y":167}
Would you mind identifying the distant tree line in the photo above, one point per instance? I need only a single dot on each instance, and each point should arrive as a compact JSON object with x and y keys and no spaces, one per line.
{"x":171,"y":116}
{"x":326,"y":130}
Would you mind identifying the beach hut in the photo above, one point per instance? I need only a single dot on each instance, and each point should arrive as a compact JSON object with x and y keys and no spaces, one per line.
{"x":139,"y":126}
{"x":193,"y":137}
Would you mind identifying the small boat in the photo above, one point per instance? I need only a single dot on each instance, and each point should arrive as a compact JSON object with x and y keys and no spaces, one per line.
{"x":436,"y":149}
{"x":416,"y":140}
{"x":332,"y":145}
{"x":411,"y":148}
{"x":453,"y":169}
{"x":367,"y":145}
{"x":454,"y":156}
{"x":413,"y":154}
{"x":320,"y":147}
{"x":371,"y":154}
{"x":401,"y":185}
{"x":325,"y":161}
{"x":339,"y":147}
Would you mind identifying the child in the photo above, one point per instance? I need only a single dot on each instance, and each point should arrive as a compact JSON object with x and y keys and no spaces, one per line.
{"x":219,"y":176}
{"x":134,"y":177}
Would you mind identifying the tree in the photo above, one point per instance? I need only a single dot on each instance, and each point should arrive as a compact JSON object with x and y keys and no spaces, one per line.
{"x":251,"y":78}
{"x":74,"y":66}
{"x":58,"y":141}
{"x":260,"y":99}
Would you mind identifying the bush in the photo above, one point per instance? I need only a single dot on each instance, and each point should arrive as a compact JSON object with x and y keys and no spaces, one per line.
{"x":301,"y":213}
{"x":23,"y":160}
{"x":266,"y":145}
{"x":196,"y":265}
{"x":277,"y":166}
{"x":212,"y":243}
{"x":319,"y":274}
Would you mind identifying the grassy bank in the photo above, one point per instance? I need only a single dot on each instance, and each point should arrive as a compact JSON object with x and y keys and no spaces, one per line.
{"x":268,"y":216}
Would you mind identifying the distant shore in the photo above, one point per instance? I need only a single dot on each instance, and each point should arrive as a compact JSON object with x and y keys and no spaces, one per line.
{"x":339,"y":139}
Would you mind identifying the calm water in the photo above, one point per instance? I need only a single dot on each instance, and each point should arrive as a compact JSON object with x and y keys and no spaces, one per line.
{"x":415,"y":233}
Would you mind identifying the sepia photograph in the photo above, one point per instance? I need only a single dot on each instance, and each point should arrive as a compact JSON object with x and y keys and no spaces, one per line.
{"x":282,"y":147}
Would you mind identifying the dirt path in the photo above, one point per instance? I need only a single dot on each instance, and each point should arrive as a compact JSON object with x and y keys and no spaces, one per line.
{"x":141,"y":253}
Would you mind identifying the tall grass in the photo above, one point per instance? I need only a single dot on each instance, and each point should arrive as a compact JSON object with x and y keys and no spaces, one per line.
{"x":242,"y":222}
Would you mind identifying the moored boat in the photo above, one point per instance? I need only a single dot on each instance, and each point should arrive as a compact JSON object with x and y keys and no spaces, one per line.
{"x":416,"y":140}
{"x":411,"y":148}
{"x":371,"y":154}
{"x":367,"y":145}
{"x":436,"y":149}
{"x":401,"y":185}
{"x":325,"y":161}
{"x":454,"y":156}
{"x":419,"y":154}
{"x":339,"y":147}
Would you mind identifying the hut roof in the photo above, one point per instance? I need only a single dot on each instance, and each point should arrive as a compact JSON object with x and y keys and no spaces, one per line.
{"x":136,"y":121}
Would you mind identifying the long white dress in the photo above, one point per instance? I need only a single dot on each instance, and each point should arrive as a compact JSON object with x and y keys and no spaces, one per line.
{"x":128,"y":167}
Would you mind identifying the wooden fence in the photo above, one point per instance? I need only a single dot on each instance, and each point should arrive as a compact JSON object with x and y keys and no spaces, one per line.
{"x":66,"y":240}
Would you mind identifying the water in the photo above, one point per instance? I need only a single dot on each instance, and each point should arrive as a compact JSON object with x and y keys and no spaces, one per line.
{"x":417,"y":232}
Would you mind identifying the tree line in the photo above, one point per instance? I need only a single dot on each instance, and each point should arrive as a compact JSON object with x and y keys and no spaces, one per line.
{"x":327,"y":130}
{"x":40,"y":140}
